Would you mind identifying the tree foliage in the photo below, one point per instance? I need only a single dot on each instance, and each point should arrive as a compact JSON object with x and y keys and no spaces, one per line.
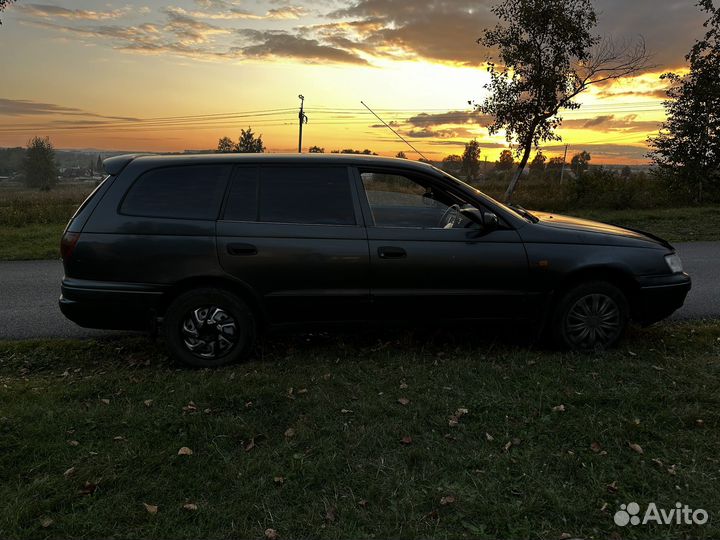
{"x":506,"y":161}
{"x":316,"y":150}
{"x":39,"y":166}
{"x":688,"y":145}
{"x":471,"y":160}
{"x":580,"y":162}
{"x":401,"y":155}
{"x":248,"y":143}
{"x":452,"y":164}
{"x":547,"y":54}
{"x":537,"y":165}
{"x":4,"y":4}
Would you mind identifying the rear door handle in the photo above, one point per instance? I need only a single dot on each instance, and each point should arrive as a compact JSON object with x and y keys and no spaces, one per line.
{"x":241,"y":249}
{"x":390,"y":252}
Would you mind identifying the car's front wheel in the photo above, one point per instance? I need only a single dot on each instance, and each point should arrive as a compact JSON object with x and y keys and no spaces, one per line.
{"x":590,"y":316}
{"x":208,"y":328}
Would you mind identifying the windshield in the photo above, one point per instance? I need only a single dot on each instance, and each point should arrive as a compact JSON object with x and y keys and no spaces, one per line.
{"x":518,"y":211}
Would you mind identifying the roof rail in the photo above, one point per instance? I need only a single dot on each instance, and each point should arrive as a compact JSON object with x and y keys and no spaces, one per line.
{"x":115,"y":165}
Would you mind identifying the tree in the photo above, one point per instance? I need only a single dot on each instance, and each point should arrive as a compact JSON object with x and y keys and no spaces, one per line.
{"x":688,"y":145}
{"x":471,"y":160}
{"x":580,"y":162}
{"x":506,"y":161}
{"x":556,"y":163}
{"x":452,"y":164}
{"x":4,"y":4}
{"x":537,"y":165}
{"x":39,"y":164}
{"x":249,"y":143}
{"x":401,"y":155}
{"x":546,"y":56}
{"x":225,"y":145}
{"x":316,"y":150}
{"x":99,"y":164}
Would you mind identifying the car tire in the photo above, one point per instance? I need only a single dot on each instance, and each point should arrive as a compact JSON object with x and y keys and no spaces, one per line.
{"x":590,"y":316}
{"x":209,"y":328}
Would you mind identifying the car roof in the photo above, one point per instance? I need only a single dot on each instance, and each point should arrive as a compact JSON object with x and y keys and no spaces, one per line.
{"x":115,"y":165}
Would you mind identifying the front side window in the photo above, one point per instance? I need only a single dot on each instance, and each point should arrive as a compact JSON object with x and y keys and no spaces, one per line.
{"x":292,"y":194}
{"x":400,"y":201}
{"x":186,"y":192}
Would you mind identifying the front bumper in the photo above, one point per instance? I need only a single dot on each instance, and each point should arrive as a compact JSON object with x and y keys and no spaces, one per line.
{"x":109,"y":305}
{"x":660,"y":296}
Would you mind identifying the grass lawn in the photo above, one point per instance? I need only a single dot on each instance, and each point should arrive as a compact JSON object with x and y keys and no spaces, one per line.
{"x":314,"y":438}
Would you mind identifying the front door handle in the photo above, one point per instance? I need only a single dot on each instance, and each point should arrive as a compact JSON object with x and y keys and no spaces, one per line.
{"x":241,"y":249}
{"x":390,"y":252}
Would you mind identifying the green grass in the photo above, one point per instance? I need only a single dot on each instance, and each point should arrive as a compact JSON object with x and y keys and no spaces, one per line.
{"x":345,"y":472}
{"x":37,"y":241}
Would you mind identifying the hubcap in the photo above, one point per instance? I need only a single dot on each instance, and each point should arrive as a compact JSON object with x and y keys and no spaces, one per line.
{"x":593,"y":321}
{"x":209,"y":332}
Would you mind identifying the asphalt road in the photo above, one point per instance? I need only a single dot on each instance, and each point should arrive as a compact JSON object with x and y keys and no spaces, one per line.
{"x":29,"y":291}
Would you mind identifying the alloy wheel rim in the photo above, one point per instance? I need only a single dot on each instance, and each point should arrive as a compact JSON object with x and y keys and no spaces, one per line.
{"x":593,"y":321}
{"x":209,"y":332}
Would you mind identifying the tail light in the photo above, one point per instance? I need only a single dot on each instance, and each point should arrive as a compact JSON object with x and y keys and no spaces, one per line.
{"x":68,"y":243}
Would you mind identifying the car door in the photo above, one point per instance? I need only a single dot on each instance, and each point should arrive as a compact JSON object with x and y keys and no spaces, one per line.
{"x":294,"y":234}
{"x":423,"y":267}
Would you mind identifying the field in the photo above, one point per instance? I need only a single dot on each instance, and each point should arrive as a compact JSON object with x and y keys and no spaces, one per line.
{"x":32,"y":222}
{"x":377,"y":434}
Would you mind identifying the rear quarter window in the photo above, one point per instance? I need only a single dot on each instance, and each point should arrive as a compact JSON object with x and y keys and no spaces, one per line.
{"x":182,"y":192}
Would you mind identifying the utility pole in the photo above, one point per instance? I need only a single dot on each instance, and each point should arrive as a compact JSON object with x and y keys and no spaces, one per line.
{"x":302,"y":117}
{"x":562,"y":171}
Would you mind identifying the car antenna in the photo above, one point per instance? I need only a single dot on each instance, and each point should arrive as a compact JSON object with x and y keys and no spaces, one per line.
{"x":395,"y":132}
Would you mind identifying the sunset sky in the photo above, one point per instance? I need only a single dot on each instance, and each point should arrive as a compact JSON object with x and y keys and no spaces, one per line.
{"x":155,"y":75}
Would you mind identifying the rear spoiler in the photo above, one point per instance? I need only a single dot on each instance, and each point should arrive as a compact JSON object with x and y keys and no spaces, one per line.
{"x":115,"y":165}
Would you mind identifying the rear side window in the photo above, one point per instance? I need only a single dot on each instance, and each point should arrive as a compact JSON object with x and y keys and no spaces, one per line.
{"x":187,"y":192}
{"x":292,"y":194}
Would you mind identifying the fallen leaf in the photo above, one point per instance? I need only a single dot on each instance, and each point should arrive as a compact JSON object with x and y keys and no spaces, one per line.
{"x":331,"y":514}
{"x":448,"y":499}
{"x":362,"y":503}
{"x":289,"y":433}
{"x":302,"y":391}
{"x":271,"y":534}
{"x":565,"y":536}
{"x":192,"y":507}
{"x":636,"y":448}
{"x":105,"y":401}
{"x":603,"y":508}
{"x":595,"y":446}
{"x":45,"y":522}
{"x":403,"y":385}
{"x":612,"y":487}
{"x":250,"y":445}
{"x":700,"y":422}
{"x":403,"y":401}
{"x":151,"y":508}
{"x":632,"y":353}
{"x":185,"y":451}
{"x":190,"y":407}
{"x":279,"y":480}
{"x":672,"y":470}
{"x":70,"y":472}
{"x":119,"y":438}
{"x":74,"y":443}
{"x":461,"y":412}
{"x":507,"y":446}
{"x":489,"y":437}
{"x":559,"y":408}
{"x":453,"y":421}
{"x":345,"y":411}
{"x":407,"y":439}
{"x":148,"y":402}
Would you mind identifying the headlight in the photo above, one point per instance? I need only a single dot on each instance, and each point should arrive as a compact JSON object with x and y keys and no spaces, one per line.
{"x":674,"y":263}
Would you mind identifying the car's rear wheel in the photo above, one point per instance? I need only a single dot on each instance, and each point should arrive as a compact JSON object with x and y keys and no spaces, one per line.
{"x":209,"y":328}
{"x":590,"y":316}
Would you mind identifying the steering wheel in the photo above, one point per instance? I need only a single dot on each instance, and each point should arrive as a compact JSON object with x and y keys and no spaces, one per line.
{"x":450,"y":217}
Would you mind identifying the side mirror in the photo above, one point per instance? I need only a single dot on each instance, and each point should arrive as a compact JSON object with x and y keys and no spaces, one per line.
{"x":473,"y":214}
{"x":490,"y":221}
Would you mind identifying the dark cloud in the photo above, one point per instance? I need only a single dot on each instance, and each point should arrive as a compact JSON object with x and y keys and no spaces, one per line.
{"x":450,"y":117}
{"x":610,"y":122}
{"x":447,"y":133}
{"x":22,"y":107}
{"x":272,"y":44}
{"x":47,"y":11}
